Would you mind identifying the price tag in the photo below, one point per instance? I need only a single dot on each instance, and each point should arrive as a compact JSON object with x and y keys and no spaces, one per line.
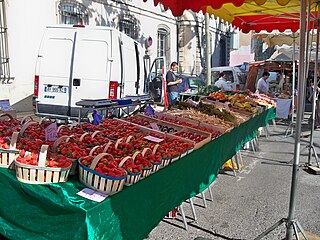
{"x":154,"y":126}
{"x":92,"y":195}
{"x":27,"y":153}
{"x":51,"y":132}
{"x":226,"y":106}
{"x":5,"y":105}
{"x":153,"y":139}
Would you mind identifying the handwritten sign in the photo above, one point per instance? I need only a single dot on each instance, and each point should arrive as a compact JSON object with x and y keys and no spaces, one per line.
{"x":154,"y":126}
{"x":92,"y":195}
{"x":5,"y":105}
{"x":153,"y":139}
{"x":51,"y":132}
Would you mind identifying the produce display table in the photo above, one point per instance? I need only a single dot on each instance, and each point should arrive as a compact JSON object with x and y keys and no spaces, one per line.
{"x":283,"y":107}
{"x":106,"y":107}
{"x":55,"y":211}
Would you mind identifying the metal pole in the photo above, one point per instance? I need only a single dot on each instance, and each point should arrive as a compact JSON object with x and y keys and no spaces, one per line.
{"x":293,"y":80}
{"x":301,"y":93}
{"x":208,"y":52}
{"x":314,"y":99}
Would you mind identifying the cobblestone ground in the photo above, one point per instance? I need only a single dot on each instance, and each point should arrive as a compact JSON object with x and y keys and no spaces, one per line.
{"x":246,"y":205}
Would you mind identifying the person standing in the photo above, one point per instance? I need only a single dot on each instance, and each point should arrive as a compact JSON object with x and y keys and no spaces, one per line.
{"x":262,"y":85}
{"x":317,"y":107}
{"x":222,"y":82}
{"x":172,"y":83}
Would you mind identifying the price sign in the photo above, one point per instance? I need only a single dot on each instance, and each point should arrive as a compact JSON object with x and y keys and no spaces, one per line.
{"x":153,"y":139}
{"x":51,"y":132}
{"x":154,"y":126}
{"x":92,"y":195}
{"x":5,"y":105}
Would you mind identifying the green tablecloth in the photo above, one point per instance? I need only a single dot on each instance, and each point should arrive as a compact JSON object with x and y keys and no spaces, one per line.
{"x":56,"y":212}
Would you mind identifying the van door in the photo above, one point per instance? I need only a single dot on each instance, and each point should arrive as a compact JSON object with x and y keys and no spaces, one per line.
{"x":156,"y":79}
{"x":91,"y":69}
{"x":131,"y":66}
{"x":53,"y":70}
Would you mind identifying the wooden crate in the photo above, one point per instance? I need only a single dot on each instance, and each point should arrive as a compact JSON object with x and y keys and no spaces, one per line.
{"x":149,"y":130}
{"x":179,"y":129}
{"x":195,"y":123}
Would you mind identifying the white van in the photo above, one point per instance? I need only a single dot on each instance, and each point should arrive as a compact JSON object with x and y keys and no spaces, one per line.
{"x":233,"y":74}
{"x":77,"y":62}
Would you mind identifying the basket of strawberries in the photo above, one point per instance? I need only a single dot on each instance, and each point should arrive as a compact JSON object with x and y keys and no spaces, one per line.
{"x":8,"y":151}
{"x":102,"y":173}
{"x":42,"y":168}
{"x":140,"y":159}
{"x":134,"y":170}
{"x":68,"y":146}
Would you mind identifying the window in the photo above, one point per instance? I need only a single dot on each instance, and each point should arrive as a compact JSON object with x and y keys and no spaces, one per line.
{"x":234,"y":40}
{"x":163,"y":47}
{"x":128,"y":25}
{"x":72,"y":12}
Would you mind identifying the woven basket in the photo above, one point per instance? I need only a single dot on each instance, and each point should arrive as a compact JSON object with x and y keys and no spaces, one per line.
{"x":7,"y":156}
{"x":74,"y":166}
{"x":100,"y":182}
{"x":132,"y":178}
{"x":41,"y":174}
{"x":183,"y":154}
{"x":147,"y":171}
{"x":164,"y":162}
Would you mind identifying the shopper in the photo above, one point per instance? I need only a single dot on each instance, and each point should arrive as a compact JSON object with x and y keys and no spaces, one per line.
{"x":317,"y":112}
{"x":172,"y":83}
{"x":222,"y":82}
{"x":262,"y":85}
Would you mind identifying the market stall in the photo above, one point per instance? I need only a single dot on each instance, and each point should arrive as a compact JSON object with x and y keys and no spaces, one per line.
{"x":56,"y":211}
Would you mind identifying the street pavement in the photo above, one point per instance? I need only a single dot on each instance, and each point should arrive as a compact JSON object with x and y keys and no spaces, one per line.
{"x":246,"y":205}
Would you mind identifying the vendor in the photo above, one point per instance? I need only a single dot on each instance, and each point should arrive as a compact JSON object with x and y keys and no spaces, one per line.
{"x":262,"y":85}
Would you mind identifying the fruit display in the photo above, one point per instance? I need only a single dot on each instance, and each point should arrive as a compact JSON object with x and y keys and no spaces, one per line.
{"x":214,"y":133}
{"x":185,"y":132}
{"x":52,"y":161}
{"x":221,"y":113}
{"x":107,"y":166}
{"x":239,"y":101}
{"x":218,"y":96}
{"x":198,"y":116}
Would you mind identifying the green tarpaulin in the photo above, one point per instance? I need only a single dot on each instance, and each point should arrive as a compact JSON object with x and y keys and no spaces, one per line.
{"x":56,"y":212}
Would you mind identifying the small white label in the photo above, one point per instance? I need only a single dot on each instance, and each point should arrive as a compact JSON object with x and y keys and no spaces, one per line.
{"x":27,"y":153}
{"x":92,"y":195}
{"x":51,"y":132}
{"x":226,"y":106}
{"x":153,"y":139}
{"x":154,"y":126}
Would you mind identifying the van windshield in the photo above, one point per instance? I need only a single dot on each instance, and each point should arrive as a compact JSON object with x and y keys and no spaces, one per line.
{"x":215,"y":76}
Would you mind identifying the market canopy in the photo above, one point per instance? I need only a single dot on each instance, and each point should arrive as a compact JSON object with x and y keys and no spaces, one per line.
{"x":247,"y":15}
{"x":277,"y":38}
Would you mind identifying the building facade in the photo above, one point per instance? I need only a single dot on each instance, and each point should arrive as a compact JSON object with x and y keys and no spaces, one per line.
{"x":178,"y":39}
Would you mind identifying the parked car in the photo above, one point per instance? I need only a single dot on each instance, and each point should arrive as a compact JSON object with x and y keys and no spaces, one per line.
{"x":191,"y":83}
{"x":235,"y":77}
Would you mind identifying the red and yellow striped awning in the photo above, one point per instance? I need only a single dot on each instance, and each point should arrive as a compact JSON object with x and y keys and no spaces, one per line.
{"x":247,"y":14}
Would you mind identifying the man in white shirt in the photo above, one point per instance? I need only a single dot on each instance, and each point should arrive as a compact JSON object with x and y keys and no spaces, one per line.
{"x":222,"y":82}
{"x":262,"y":85}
